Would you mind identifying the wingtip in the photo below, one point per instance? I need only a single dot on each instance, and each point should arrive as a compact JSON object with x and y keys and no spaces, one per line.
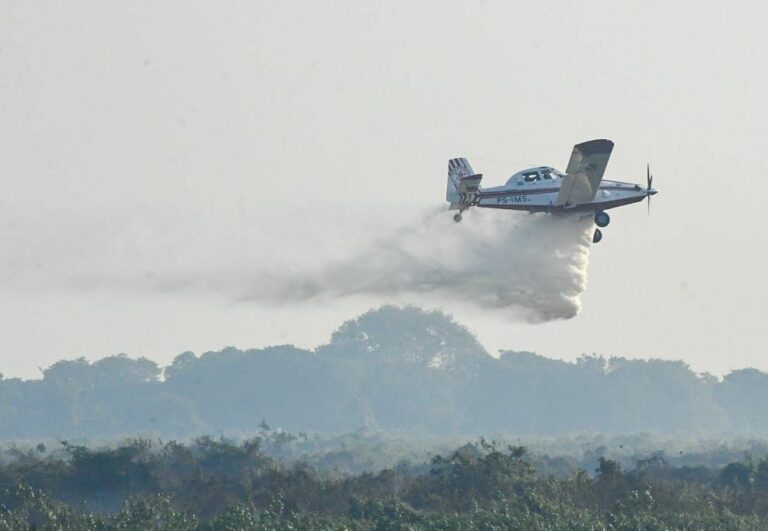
{"x":600,"y":145}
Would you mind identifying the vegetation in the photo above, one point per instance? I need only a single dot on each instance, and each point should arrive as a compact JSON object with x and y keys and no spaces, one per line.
{"x":394,"y":370}
{"x":404,"y":387}
{"x":213,"y":484}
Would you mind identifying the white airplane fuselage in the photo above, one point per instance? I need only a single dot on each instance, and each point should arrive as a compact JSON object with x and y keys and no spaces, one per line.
{"x":540,"y":194}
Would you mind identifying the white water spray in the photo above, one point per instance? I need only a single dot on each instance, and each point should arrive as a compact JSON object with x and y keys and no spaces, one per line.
{"x":534,"y":266}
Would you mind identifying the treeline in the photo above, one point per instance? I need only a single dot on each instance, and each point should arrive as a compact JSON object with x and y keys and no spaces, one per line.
{"x":393,"y":370}
{"x":212,"y":484}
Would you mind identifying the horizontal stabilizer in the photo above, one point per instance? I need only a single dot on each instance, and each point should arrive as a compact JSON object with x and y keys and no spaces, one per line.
{"x":470,"y":183}
{"x":463,"y":183}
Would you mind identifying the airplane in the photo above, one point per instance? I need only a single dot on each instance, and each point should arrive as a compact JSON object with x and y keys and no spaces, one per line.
{"x":581,"y":189}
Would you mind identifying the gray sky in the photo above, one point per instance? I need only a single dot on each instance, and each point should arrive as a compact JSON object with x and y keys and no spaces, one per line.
{"x":145,"y":144}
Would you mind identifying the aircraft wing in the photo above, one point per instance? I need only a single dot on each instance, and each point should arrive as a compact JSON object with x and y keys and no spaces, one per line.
{"x":584,"y":173}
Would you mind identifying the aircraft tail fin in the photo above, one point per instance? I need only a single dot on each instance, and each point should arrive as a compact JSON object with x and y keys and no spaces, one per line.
{"x":463,"y":183}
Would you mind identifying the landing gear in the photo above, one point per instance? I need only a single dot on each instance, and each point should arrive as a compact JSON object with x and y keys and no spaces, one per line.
{"x":457,"y":217}
{"x":597,"y":236}
{"x":602,"y":219}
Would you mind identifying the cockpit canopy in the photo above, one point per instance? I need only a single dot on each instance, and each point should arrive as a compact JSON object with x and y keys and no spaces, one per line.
{"x":534,"y":175}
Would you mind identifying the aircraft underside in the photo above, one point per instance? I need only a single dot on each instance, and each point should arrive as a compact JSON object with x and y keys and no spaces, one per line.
{"x":544,"y":203}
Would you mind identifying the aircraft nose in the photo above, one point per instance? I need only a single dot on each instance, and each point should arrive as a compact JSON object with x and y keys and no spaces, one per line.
{"x":651,"y":192}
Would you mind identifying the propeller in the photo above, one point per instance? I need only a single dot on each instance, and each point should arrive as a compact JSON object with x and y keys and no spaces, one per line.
{"x":649,"y":180}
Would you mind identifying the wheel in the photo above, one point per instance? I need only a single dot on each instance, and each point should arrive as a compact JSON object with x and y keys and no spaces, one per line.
{"x":602,"y":219}
{"x":457,"y":218}
{"x":597,"y":236}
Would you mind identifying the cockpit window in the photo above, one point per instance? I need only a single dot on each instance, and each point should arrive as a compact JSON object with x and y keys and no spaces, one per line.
{"x":531,"y":176}
{"x":534,"y":175}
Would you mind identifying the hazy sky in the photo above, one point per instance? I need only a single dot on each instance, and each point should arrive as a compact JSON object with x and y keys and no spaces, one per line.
{"x":152,"y":153}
